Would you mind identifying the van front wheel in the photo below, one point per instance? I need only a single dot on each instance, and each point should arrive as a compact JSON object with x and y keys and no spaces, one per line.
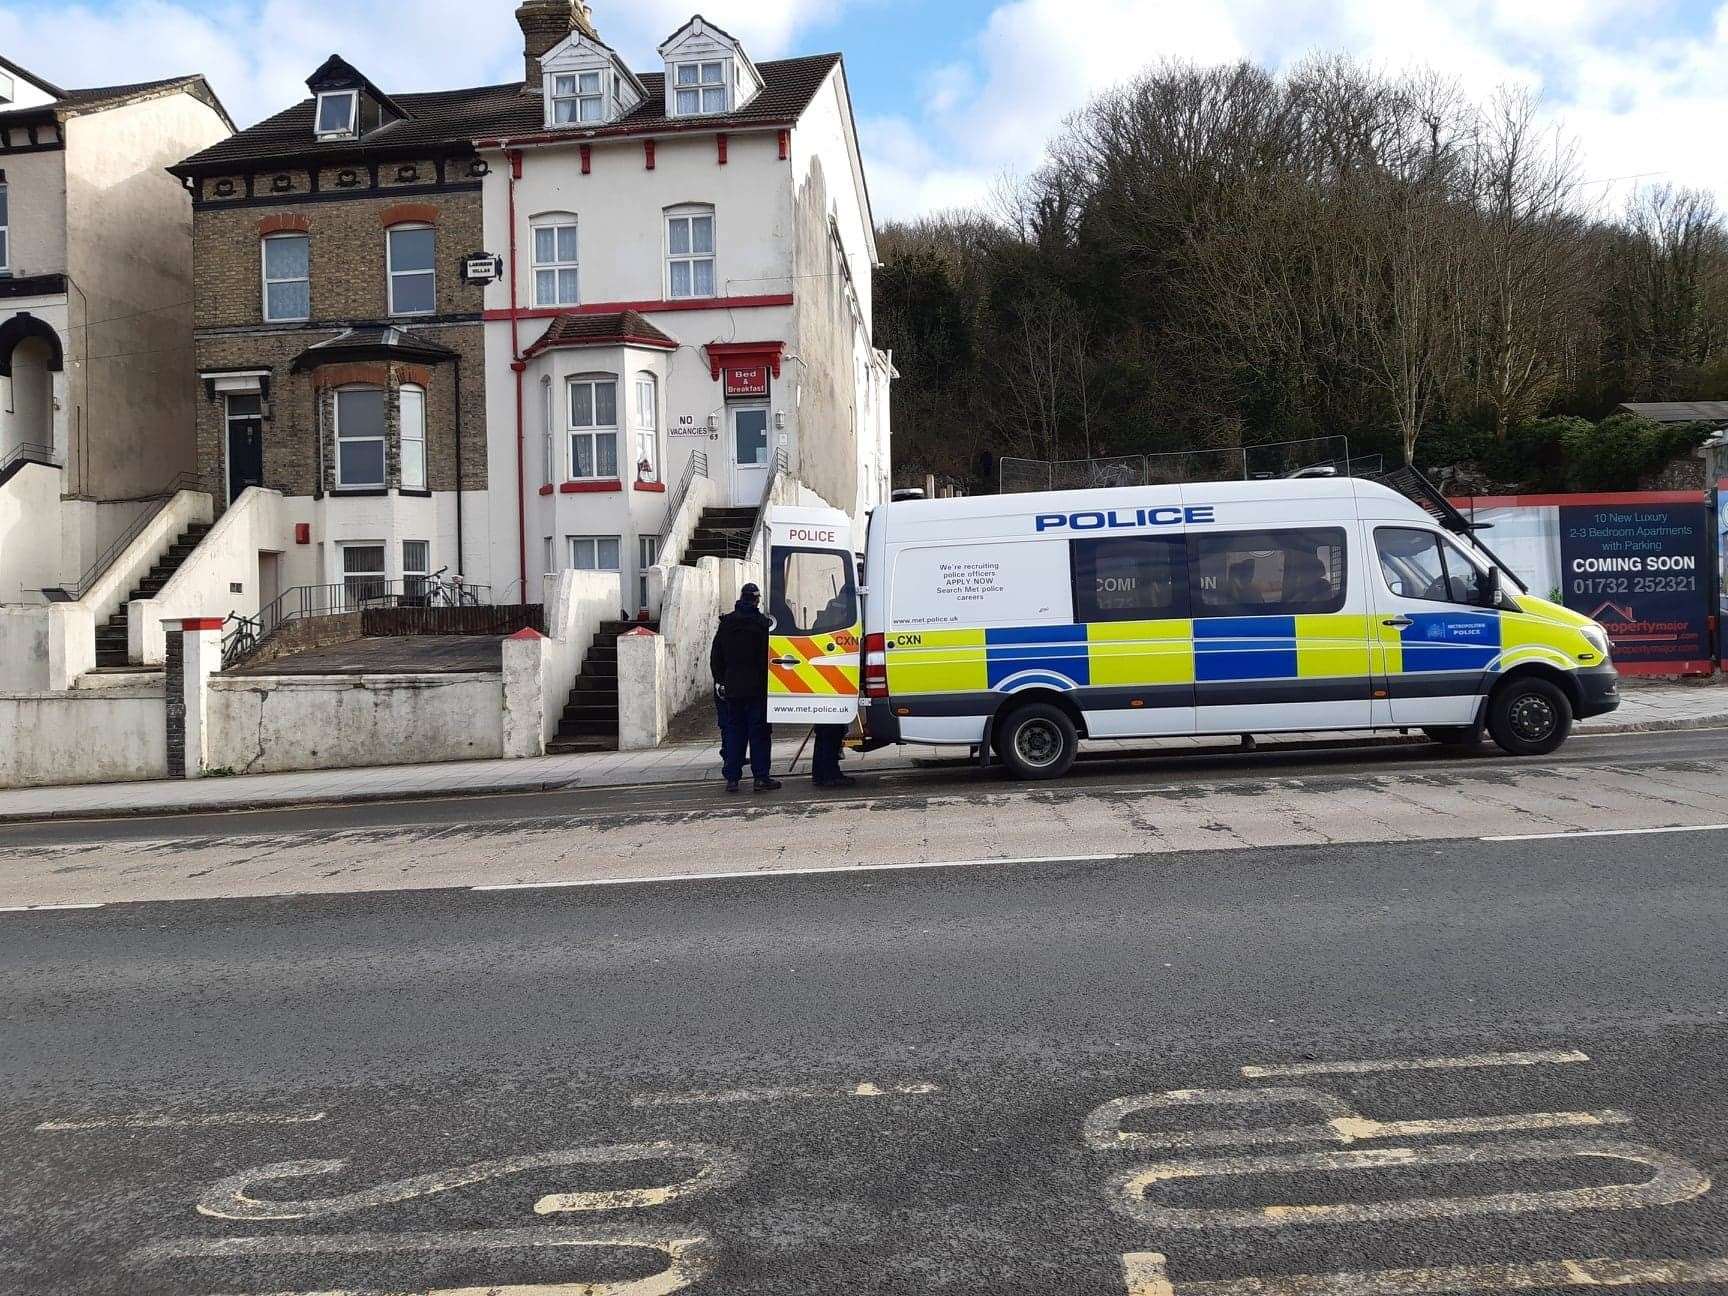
{"x":1529,"y":716}
{"x":1037,"y":741}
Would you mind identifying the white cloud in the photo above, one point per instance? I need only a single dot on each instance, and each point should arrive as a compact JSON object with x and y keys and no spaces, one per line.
{"x":258,"y":53}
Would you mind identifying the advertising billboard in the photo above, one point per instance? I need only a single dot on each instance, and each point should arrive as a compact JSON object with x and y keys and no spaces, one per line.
{"x":1644,"y":570}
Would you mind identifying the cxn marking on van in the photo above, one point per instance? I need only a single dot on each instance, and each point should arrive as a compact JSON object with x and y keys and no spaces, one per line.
{"x":1117,"y":519}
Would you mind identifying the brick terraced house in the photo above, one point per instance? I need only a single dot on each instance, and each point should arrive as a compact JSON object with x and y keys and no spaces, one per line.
{"x":339,"y":348}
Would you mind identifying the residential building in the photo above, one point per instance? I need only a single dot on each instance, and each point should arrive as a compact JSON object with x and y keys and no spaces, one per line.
{"x":95,"y":314}
{"x":339,"y":352}
{"x":687,"y":260}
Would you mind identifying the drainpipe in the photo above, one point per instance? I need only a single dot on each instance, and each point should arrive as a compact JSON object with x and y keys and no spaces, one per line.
{"x":457,"y":375}
{"x":517,"y":366}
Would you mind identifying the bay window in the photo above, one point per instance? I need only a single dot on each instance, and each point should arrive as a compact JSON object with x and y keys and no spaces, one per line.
{"x":647,"y":427}
{"x":593,"y":427}
{"x":363,"y":573}
{"x":416,"y":566}
{"x":593,"y":553}
{"x":411,"y":418}
{"x":690,"y":252}
{"x":360,"y":437}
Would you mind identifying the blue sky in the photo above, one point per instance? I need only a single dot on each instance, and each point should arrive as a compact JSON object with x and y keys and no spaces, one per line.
{"x":953,"y":95}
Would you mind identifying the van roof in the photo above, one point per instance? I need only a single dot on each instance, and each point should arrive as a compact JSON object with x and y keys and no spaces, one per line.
{"x":1387,"y":501}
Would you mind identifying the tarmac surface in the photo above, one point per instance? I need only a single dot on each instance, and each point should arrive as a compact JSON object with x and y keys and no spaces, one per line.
{"x":1400,"y":1065}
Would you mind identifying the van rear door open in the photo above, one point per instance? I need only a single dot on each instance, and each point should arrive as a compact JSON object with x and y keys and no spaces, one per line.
{"x":813,"y":599}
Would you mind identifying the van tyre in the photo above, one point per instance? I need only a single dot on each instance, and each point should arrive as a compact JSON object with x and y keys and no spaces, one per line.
{"x":1529,"y":716}
{"x":1454,"y":735}
{"x":1037,"y":741}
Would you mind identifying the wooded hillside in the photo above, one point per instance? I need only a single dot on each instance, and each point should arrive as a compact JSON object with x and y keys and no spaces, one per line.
{"x":1218,"y":256}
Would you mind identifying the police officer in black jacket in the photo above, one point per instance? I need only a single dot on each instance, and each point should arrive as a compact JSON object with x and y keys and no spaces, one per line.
{"x":739,"y":663}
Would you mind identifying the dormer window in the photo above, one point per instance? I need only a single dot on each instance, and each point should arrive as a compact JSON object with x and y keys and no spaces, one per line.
{"x":702,"y":88}
{"x":579,"y":97}
{"x":338,"y":113}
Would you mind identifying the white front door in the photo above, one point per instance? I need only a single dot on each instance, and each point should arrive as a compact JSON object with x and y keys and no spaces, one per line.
{"x":749,"y":453}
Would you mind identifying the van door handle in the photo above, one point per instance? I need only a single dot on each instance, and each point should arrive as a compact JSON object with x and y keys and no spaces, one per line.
{"x":1398,"y":622}
{"x":784,"y":661}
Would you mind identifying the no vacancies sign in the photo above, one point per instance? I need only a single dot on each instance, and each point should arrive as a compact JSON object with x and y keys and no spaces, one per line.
{"x":1642,"y":570}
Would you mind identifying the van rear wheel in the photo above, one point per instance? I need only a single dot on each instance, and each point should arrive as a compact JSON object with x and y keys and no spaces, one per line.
{"x":1037,"y":741}
{"x":1529,"y":716}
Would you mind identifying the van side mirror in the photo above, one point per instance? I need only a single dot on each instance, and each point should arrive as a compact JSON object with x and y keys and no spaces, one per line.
{"x":1489,"y":589}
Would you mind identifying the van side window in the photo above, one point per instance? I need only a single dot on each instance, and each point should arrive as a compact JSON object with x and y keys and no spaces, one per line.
{"x":1267,"y":573}
{"x":1130,"y":578}
{"x":1424,"y":565}
{"x":810,"y":592}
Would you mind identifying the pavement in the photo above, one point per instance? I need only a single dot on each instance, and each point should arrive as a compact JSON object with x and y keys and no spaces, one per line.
{"x":1448,"y":1065}
{"x":1645,"y":708}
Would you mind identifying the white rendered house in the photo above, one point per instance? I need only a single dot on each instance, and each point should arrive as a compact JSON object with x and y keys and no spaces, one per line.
{"x":685,"y":290}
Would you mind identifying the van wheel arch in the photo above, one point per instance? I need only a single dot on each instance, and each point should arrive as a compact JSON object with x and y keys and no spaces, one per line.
{"x":1566,"y":681}
{"x":1014,"y":701}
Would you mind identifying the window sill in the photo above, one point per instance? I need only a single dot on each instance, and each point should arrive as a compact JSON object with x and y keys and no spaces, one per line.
{"x":546,"y":489}
{"x":415,"y":494}
{"x":360,"y":492}
{"x":659,"y":488}
{"x":591,"y":487}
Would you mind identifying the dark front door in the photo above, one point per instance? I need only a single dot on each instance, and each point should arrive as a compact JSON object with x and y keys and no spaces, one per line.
{"x":245,"y":444}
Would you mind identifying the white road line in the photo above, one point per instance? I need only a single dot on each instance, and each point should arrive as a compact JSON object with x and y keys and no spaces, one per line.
{"x":794,"y":872}
{"x":1148,"y":1274}
{"x":45,"y":908}
{"x":1607,"y":832}
{"x":864,"y":1090}
{"x":1535,"y":1057}
{"x":147,"y":1121}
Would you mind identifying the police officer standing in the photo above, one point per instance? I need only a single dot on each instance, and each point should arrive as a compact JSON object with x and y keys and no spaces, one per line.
{"x":739,"y":663}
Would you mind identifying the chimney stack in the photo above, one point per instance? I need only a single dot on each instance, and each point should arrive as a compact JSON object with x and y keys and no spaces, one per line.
{"x":546,"y":22}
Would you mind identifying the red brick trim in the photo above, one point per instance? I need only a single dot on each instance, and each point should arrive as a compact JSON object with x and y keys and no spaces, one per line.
{"x":285,"y":223}
{"x":546,"y":489}
{"x":371,"y":373}
{"x":418,"y":375}
{"x":201,"y":623}
{"x":590,"y":487}
{"x":408,"y":213}
{"x":659,"y":488}
{"x":644,"y":307}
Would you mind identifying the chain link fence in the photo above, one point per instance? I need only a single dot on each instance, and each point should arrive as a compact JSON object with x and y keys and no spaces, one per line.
{"x":1228,"y":463}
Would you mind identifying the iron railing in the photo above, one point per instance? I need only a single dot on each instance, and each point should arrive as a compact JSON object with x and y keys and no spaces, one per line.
{"x":1221,"y":463}
{"x":246,"y":634}
{"x":30,"y":452}
{"x":106,"y":559}
{"x":697,"y":467}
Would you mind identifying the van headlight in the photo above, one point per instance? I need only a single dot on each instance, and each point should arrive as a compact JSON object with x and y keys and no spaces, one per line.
{"x":1597,"y":638}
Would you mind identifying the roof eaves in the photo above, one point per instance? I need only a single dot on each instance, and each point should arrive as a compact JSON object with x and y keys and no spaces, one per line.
{"x":31,"y":77}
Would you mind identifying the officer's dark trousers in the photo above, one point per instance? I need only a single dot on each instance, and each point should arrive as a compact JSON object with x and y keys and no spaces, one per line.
{"x":744,"y":726}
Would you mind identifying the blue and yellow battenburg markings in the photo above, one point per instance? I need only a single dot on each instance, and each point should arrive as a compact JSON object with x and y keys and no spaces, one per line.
{"x":1206,"y":650}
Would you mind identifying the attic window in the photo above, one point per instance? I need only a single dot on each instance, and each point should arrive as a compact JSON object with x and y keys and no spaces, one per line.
{"x":578,"y":97}
{"x":338,"y":111}
{"x":701,"y":88}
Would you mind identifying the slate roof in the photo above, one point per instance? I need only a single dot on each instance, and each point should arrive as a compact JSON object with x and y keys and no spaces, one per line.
{"x":458,"y":117}
{"x":1680,"y":411}
{"x":613,"y":328}
{"x":72,"y":102}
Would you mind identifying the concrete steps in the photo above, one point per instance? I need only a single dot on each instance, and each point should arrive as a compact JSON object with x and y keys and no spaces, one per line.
{"x":590,"y":720}
{"x":111,"y":637}
{"x":720,"y":533}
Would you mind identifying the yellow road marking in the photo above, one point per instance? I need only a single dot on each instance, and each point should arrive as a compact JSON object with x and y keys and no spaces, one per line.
{"x":229,"y":1198}
{"x":1533,"y":1057}
{"x":1674,"y":1181}
{"x":1148,"y":1275}
{"x":865,"y":1089}
{"x":1102,"y":1130}
{"x":690,"y":1256}
{"x":146,"y":1121}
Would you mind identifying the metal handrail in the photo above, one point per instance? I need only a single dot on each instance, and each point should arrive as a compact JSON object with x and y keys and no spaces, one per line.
{"x":106,"y":559}
{"x":30,"y":452}
{"x":246,"y":634}
{"x":782,"y":466}
{"x":696,"y":467}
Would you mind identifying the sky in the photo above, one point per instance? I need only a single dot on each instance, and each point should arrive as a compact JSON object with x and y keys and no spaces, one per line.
{"x":954,"y":95}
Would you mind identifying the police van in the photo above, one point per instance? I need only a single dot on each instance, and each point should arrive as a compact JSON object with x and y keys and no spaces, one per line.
{"x":1026,"y":624}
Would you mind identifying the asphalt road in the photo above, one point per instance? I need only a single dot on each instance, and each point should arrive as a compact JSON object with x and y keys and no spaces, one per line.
{"x":883,"y":1082}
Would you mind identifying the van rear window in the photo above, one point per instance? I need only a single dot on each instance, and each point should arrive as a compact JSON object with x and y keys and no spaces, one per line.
{"x":1267,"y":573}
